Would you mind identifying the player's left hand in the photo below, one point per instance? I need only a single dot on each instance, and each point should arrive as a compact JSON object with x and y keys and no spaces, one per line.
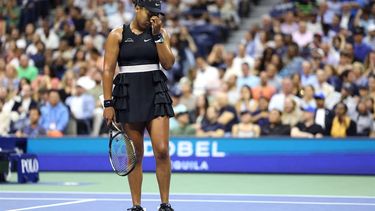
{"x":155,"y":24}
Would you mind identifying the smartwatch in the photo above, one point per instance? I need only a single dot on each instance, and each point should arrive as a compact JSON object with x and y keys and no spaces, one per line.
{"x":108,"y":103}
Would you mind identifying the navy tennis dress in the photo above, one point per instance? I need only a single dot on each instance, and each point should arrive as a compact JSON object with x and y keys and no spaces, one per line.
{"x":140,"y":93}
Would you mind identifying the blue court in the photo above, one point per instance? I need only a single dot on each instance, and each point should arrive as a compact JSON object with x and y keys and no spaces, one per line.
{"x":63,"y":201}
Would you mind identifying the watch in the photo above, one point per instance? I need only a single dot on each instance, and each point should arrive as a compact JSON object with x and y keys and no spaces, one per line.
{"x":158,"y":38}
{"x":108,"y":103}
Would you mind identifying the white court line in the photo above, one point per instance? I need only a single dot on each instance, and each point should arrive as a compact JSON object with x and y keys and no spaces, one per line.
{"x":81,"y":200}
{"x":193,"y":194}
{"x":54,"y":205}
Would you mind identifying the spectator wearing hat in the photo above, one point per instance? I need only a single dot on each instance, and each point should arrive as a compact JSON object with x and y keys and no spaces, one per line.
{"x":342,"y":126}
{"x":54,"y":115}
{"x":370,"y":38}
{"x":245,"y":128}
{"x":307,"y":128}
{"x":82,"y":106}
{"x":361,"y":49}
{"x":323,"y":116}
{"x":275,"y":126}
{"x":184,"y":127}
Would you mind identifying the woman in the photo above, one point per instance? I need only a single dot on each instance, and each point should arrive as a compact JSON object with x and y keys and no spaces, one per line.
{"x":245,"y":129}
{"x":342,"y":126}
{"x":140,"y":96}
{"x":246,"y":101}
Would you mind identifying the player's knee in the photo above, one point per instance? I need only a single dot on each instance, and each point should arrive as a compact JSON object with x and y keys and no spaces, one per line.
{"x":162,"y":152}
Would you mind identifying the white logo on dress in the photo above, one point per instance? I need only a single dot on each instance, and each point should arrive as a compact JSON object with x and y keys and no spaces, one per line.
{"x":157,"y":4}
{"x":147,"y":40}
{"x":129,"y":40}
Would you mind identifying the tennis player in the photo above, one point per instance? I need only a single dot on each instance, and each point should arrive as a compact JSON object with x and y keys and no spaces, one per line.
{"x":140,"y":98}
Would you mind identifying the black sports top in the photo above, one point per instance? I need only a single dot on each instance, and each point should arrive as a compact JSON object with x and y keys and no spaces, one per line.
{"x":137,"y":49}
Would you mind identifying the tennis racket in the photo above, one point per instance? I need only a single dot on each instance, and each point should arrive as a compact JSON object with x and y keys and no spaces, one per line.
{"x":122,"y":155}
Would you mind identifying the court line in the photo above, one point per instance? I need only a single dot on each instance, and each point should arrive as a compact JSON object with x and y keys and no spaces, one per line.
{"x":54,"y":205}
{"x":82,"y":200}
{"x":193,"y":194}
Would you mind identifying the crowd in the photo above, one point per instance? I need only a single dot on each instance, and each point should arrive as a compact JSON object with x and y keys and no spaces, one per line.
{"x":306,"y":70}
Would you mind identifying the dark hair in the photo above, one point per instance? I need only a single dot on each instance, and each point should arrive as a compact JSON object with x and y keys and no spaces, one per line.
{"x":36,"y":109}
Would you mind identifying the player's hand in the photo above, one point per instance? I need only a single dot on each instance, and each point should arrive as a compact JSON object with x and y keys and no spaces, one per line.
{"x":109,"y":114}
{"x":155,"y":24}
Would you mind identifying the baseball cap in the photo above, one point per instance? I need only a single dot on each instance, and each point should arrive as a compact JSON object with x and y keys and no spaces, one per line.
{"x":309,"y":109}
{"x":151,"y":5}
{"x":319,"y":96}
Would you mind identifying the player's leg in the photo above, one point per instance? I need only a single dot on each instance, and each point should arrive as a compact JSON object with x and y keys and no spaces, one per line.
{"x":135,"y":132}
{"x":158,"y":129}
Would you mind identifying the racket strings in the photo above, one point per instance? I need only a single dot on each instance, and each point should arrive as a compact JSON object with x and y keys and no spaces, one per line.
{"x":123,"y":157}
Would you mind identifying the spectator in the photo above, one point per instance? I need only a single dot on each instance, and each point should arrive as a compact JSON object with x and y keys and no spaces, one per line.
{"x":33,"y":128}
{"x":200,"y":110}
{"x":242,"y":58}
{"x":323,"y":86}
{"x":227,"y":113}
{"x":342,"y":126}
{"x":260,"y":116}
{"x":301,"y":36}
{"x":245,"y":129}
{"x":246,"y":101}
{"x":274,"y":79}
{"x":184,"y":128}
{"x":277,"y":99}
{"x":210,"y":126}
{"x":54,"y":115}
{"x":308,"y":97}
{"x":361,"y":49}
{"x":291,"y":114}
{"x":307,"y":76}
{"x":25,"y":70}
{"x":207,"y":79}
{"x":48,"y":36}
{"x":307,"y":127}
{"x":82,"y":106}
{"x":10,"y":79}
{"x":230,"y":87}
{"x":247,"y":77}
{"x":5,"y":119}
{"x":275,"y":127}
{"x":323,"y":116}
{"x":264,"y":89}
{"x":363,"y":119}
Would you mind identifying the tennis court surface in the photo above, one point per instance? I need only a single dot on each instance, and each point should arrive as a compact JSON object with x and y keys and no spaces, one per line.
{"x":216,"y":192}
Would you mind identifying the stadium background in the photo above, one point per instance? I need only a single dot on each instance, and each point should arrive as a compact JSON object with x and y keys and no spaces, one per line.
{"x":240,"y":92}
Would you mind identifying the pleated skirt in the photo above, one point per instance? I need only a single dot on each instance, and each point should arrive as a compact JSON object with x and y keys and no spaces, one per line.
{"x":141,"y":97}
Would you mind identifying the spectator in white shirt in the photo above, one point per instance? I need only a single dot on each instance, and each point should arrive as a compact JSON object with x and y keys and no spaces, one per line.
{"x":207,"y":78}
{"x":302,"y":37}
{"x":48,"y":36}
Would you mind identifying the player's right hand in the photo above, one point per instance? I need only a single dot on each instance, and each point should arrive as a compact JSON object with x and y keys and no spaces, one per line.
{"x":109,"y":114}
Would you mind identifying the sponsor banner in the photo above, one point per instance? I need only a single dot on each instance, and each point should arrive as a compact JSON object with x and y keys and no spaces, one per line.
{"x":271,"y":155}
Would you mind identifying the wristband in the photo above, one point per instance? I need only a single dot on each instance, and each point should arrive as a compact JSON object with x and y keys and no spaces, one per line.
{"x":158,"y":38}
{"x":108,"y":103}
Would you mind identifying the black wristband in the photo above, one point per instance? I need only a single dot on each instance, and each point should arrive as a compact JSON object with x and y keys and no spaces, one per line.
{"x":157,"y":37}
{"x":108,"y":103}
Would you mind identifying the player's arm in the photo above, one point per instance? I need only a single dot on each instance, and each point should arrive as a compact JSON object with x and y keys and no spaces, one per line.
{"x":110,"y":59}
{"x":166,"y":57}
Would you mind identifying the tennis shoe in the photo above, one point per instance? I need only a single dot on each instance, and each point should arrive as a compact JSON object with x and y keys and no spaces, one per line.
{"x":136,"y":208}
{"x":165,"y":207}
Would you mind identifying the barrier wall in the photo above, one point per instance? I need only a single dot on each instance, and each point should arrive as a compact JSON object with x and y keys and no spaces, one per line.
{"x":265,"y":155}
